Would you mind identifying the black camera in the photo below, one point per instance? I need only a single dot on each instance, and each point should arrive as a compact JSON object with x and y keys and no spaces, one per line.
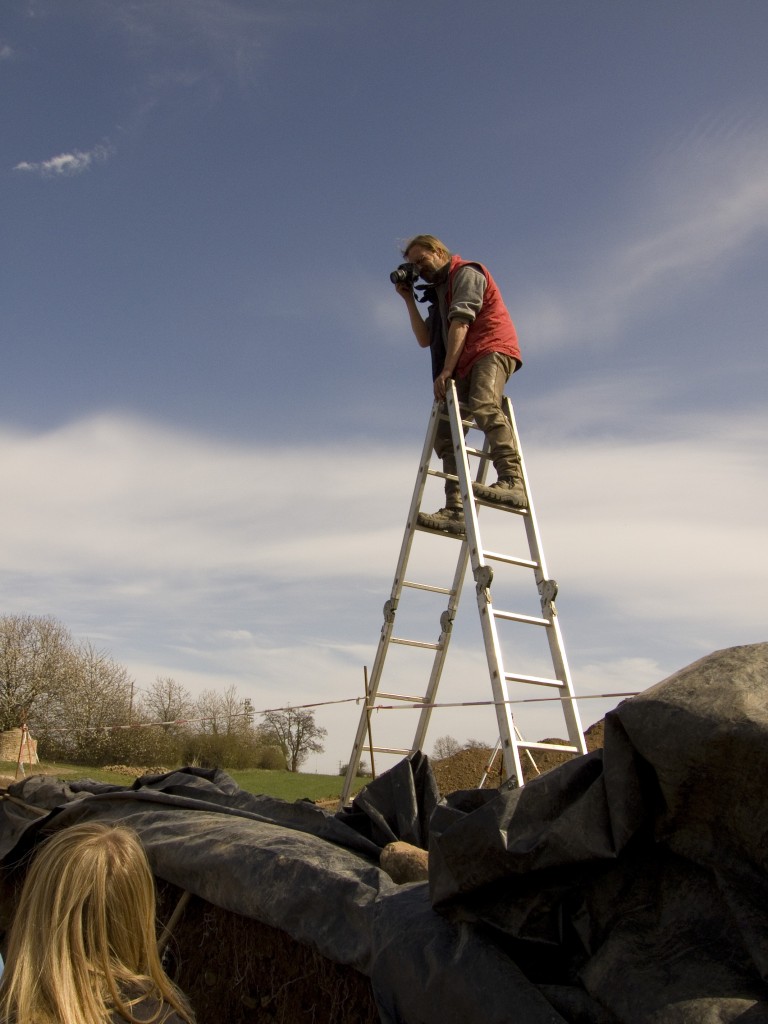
{"x":406,"y":273}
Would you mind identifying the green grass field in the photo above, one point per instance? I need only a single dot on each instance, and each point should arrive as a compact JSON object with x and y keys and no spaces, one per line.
{"x":292,"y":785}
{"x":286,"y":785}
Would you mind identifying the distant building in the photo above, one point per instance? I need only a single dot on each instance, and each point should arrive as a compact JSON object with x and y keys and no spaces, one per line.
{"x":17,"y":746}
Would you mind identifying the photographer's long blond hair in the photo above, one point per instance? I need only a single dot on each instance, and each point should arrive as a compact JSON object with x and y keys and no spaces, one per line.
{"x":83,"y":942}
{"x":426,"y":242}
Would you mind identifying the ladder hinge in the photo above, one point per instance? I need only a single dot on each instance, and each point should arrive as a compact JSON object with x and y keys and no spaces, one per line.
{"x":483,"y":577}
{"x":446,"y":621}
{"x":389,"y":609}
{"x":547,"y":593}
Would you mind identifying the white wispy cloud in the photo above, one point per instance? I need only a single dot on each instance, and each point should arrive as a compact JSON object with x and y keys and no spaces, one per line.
{"x":693,"y":212}
{"x":666,"y":531}
{"x":208,"y":561}
{"x":131,"y":500}
{"x":145,"y":496}
{"x":209,"y":41}
{"x":67,"y":165}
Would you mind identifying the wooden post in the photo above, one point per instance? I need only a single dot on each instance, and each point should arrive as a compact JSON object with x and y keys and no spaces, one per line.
{"x":19,"y":759}
{"x":368,"y":716}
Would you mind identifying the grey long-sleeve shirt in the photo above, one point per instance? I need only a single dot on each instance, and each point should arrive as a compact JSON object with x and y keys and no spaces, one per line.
{"x":469,"y":286}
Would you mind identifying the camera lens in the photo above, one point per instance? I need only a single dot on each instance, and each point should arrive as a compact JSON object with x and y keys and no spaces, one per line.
{"x":405,"y":272}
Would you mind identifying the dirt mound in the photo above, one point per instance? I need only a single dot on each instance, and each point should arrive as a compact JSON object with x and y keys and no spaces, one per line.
{"x":135,"y":772}
{"x":465,"y":769}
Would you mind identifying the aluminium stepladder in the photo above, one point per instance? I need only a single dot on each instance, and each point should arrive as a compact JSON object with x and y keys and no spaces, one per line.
{"x":481,"y":560}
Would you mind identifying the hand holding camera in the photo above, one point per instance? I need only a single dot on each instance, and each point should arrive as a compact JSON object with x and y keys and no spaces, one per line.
{"x":404,"y":278}
{"x":406,"y":273}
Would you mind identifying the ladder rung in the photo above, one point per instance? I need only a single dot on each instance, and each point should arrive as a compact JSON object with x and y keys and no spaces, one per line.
{"x":526,"y":563}
{"x":426,"y":586}
{"x":531,"y":620}
{"x":401,"y":696}
{"x":415,"y":643}
{"x":469,"y":424}
{"x":478,"y":501}
{"x":500,"y":506}
{"x":513,"y":677}
{"x":405,"y":751}
{"x":439,"y":533}
{"x":566,"y":748}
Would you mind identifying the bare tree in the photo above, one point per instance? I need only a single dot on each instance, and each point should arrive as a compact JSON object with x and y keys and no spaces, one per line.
{"x":35,"y":661}
{"x":78,"y":718}
{"x":238,"y":713}
{"x":209,"y":710}
{"x":167,"y":701}
{"x":445,"y":746}
{"x":297,"y":733}
{"x":223,"y":713}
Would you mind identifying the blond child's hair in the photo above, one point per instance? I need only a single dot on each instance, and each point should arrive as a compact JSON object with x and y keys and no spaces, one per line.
{"x":83,"y":943}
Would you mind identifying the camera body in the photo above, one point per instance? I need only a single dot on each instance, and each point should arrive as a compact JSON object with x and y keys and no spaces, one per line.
{"x":406,"y":273}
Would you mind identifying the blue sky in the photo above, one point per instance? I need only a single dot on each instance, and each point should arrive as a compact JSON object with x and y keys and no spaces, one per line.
{"x":211,"y":406}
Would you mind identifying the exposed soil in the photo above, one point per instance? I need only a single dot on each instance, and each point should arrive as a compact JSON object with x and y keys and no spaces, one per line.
{"x":465,"y":769}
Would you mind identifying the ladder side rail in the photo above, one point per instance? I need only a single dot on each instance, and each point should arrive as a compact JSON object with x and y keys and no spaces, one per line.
{"x":446,"y":624}
{"x":390,"y":606}
{"x":554,"y":635}
{"x":373,"y":687}
{"x":482,"y":575}
{"x":531,"y":522}
{"x":567,"y":694}
{"x":459,"y":427}
{"x":416,"y":498}
{"x":504,"y":717}
{"x":462,"y":468}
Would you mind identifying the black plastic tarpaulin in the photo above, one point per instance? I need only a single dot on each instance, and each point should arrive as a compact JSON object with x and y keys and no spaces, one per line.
{"x":628,"y":885}
{"x":640,"y":870}
{"x":306,"y":872}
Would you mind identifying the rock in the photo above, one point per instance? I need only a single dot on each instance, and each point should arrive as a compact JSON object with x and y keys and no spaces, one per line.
{"x":405,"y":863}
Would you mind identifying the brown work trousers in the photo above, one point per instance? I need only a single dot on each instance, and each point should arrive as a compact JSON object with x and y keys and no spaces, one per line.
{"x":480,"y":394}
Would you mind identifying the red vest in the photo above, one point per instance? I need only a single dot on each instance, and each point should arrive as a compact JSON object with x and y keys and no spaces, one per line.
{"x":492,"y":329}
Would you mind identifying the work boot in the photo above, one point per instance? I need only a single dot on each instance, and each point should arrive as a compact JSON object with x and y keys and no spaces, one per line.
{"x":446,"y":520}
{"x":506,"y":491}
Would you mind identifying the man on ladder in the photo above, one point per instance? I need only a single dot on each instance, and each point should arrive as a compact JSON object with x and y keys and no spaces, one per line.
{"x":472,"y":338}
